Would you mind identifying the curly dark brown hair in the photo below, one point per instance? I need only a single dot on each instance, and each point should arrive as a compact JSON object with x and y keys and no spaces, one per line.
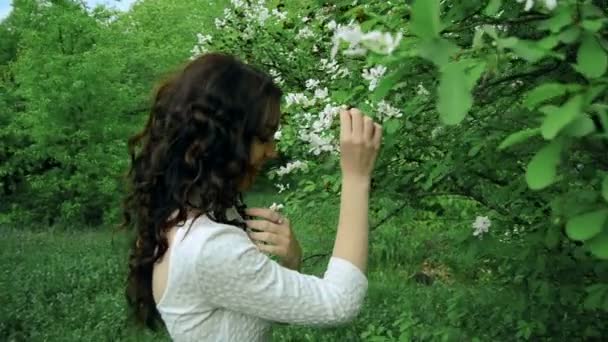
{"x":191,"y":157}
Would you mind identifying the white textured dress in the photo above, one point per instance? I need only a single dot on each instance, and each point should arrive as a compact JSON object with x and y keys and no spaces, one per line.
{"x":221,"y":288}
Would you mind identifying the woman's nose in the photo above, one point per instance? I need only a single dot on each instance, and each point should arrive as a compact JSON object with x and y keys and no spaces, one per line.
{"x":271,"y":151}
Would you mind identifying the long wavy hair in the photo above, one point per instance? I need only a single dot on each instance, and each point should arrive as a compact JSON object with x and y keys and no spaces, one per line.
{"x":192,"y":156}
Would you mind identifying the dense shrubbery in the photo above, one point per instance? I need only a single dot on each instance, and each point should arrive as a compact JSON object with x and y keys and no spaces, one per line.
{"x":495,"y":116}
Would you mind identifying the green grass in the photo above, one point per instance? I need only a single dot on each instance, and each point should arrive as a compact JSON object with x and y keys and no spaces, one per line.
{"x":68,"y":286}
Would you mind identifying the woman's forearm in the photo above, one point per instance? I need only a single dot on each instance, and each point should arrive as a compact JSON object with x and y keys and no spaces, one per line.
{"x":353,"y":226}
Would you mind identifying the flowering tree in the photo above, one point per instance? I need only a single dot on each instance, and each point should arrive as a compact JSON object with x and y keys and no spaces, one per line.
{"x":501,"y":103}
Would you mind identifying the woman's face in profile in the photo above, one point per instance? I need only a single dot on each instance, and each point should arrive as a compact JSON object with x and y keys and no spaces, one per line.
{"x":261,"y":152}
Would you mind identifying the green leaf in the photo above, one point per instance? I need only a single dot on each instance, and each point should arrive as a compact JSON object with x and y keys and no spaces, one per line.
{"x":439,"y":51}
{"x":455,"y":100}
{"x":591,"y":59}
{"x":387,"y":83}
{"x":592,"y":25}
{"x":570,"y":35}
{"x":558,"y":117}
{"x":477,"y":40}
{"x":552,"y":236}
{"x":392,"y":126}
{"x":493,"y":7}
{"x":605,"y":188}
{"x":580,"y":127}
{"x":541,"y":170}
{"x":584,"y":227}
{"x":474,"y":73}
{"x":543,"y":93}
{"x":528,"y":50}
{"x":592,"y":93}
{"x":560,"y":19}
{"x":595,"y":293}
{"x":426,"y":22}
{"x":599,"y":245}
{"x":518,"y":137}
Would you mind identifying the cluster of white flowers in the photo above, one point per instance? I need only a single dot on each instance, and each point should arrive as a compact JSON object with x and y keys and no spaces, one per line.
{"x":312,"y":83}
{"x":304,"y":33}
{"x":282,"y":187}
{"x":387,"y":111}
{"x":290,"y":167}
{"x":379,"y":42}
{"x":422,"y":91}
{"x":322,"y":94}
{"x":201,"y":45}
{"x":373,"y":75}
{"x":276,"y":76}
{"x":276,"y":207}
{"x":436,"y":131}
{"x":549,"y":4}
{"x":333,"y":69}
{"x":481,"y":225}
{"x":316,"y":130}
{"x":318,"y":142}
{"x":255,"y":13}
{"x":299,"y":99}
{"x":331,"y":25}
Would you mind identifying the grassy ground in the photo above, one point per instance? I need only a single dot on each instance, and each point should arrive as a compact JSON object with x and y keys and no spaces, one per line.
{"x":68,"y":286}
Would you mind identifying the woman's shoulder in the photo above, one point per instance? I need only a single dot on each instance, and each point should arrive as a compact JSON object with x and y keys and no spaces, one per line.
{"x":210,"y":236}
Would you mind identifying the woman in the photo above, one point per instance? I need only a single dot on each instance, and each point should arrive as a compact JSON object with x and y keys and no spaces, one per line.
{"x":196,"y":265}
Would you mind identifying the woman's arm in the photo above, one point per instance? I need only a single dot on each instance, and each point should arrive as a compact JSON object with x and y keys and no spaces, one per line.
{"x":235,"y":275}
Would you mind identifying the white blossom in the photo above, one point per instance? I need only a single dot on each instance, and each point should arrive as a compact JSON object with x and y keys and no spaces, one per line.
{"x":331,"y":25}
{"x":318,"y":143}
{"x":237,"y":3}
{"x":282,"y":187}
{"x":387,"y":111}
{"x":290,"y":167}
{"x":549,"y":4}
{"x":333,"y":69}
{"x":481,"y":225}
{"x":373,"y":75}
{"x":278,"y":134}
{"x":281,"y":16}
{"x":276,"y":207}
{"x":220,"y":23}
{"x":321,"y":94}
{"x":299,"y":99}
{"x":359,"y":42}
{"x":312,"y":83}
{"x":276,"y":76}
{"x":304,"y":33}
{"x":422,"y":91}
{"x":436,"y":131}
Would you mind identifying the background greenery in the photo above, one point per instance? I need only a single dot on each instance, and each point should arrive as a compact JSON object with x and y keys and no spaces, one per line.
{"x":512,"y":126}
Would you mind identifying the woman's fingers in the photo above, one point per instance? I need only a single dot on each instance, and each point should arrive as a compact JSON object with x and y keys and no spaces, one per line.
{"x":265,"y":213}
{"x":271,"y":238}
{"x":346,"y":125}
{"x":368,"y":129}
{"x":377,"y":135}
{"x":357,"y":122}
{"x":271,"y":249}
{"x":263,"y":225}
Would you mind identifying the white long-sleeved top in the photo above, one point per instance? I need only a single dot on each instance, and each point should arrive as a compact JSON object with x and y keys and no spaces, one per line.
{"x":220,"y":287}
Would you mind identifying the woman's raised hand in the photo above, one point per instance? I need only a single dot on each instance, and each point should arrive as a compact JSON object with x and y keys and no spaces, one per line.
{"x":360,"y":139}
